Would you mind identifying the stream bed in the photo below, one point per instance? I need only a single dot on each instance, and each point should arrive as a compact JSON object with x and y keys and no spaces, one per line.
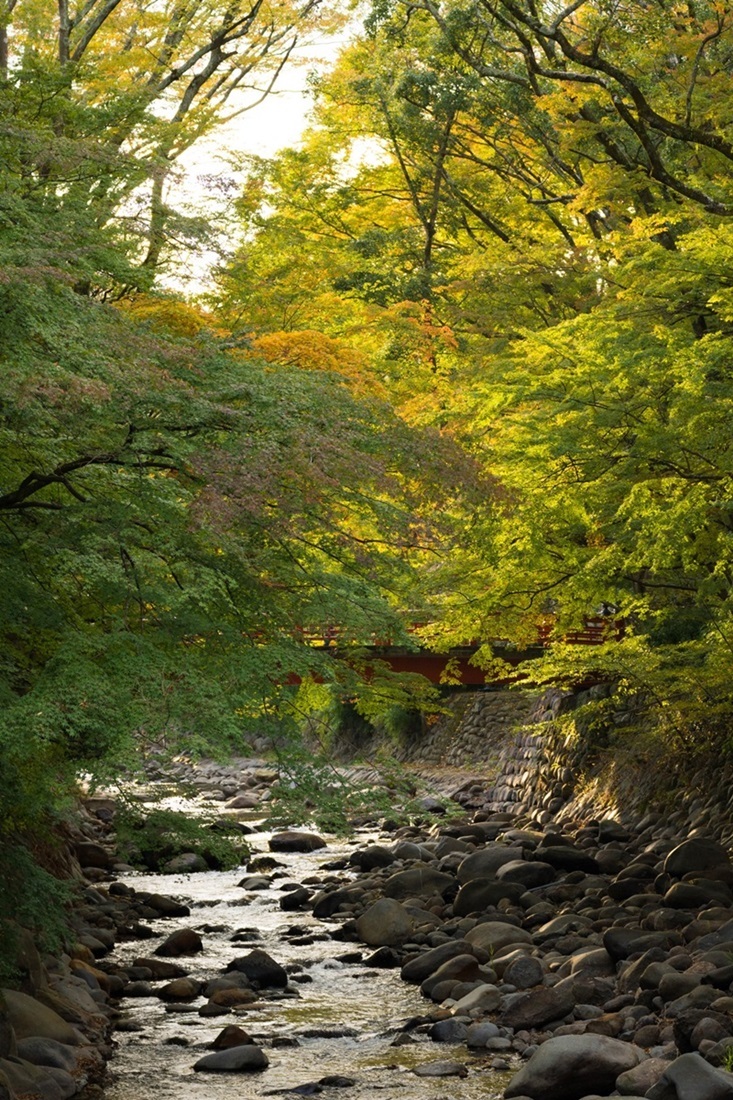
{"x":357,"y":1010}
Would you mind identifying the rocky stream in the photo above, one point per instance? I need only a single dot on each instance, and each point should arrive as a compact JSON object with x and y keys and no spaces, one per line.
{"x":489,"y":955}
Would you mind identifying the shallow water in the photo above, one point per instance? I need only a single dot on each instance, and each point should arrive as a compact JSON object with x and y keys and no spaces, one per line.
{"x":372,"y":1003}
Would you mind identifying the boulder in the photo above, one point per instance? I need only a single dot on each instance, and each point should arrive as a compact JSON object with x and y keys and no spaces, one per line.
{"x":537,"y":1007}
{"x":491,"y":935}
{"x":231,"y":1036}
{"x":239,"y":1059}
{"x":187,"y":863}
{"x":696,"y":854}
{"x":486,"y":862}
{"x":527,"y":874}
{"x":161,"y":970}
{"x":485,"y":998}
{"x":261,"y":969}
{"x":690,"y":1077}
{"x":375,"y":855}
{"x":638,"y":1081}
{"x":180,"y":990}
{"x":90,"y":854}
{"x":184,"y":941}
{"x":28,"y":1018}
{"x":167,"y":907}
{"x":385,"y":924}
{"x":565,"y":857}
{"x":293,"y":841}
{"x":570,"y":1067}
{"x":480,"y":894}
{"x":417,"y":882}
{"x":420,"y":968}
{"x":524,"y":972}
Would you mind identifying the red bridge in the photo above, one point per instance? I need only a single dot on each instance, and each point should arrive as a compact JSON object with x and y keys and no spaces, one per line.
{"x":455,"y":666}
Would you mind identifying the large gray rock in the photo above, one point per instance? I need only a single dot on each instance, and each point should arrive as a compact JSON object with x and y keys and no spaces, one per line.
{"x":385,"y":924}
{"x":638,"y":1081}
{"x":417,"y":970}
{"x":184,"y":941}
{"x":691,"y":1078}
{"x":696,"y":854}
{"x":293,"y":841}
{"x":491,"y":935}
{"x":461,"y":968}
{"x":261,"y":969}
{"x":573,"y":1066}
{"x":239,"y":1059}
{"x":537,"y":1007}
{"x":528,"y":874}
{"x":486,"y":862}
{"x":417,"y":882}
{"x":480,"y":894}
{"x":28,"y":1018}
{"x":48,"y":1052}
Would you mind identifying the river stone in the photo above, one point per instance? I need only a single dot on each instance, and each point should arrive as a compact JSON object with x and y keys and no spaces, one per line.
{"x":371,"y":857}
{"x":385,"y":924}
{"x":228,"y":998}
{"x":181,"y":990}
{"x":592,"y":963}
{"x":90,"y":854}
{"x":537,"y":1007}
{"x":48,"y":1052}
{"x":638,"y":1081}
{"x":239,"y":1059}
{"x":524,"y":972}
{"x":620,"y":943}
{"x":231,"y":1036}
{"x":485,"y":998}
{"x":479,"y":1033}
{"x":168,"y":907}
{"x":255,"y":882}
{"x":565,"y":857}
{"x":448,"y":1031}
{"x":441,"y":1069}
{"x":486,"y":862}
{"x":491,"y":935}
{"x":408,"y":849}
{"x":298,"y":898}
{"x":28,"y":1017}
{"x":420,"y":968}
{"x":570,"y":1067}
{"x":292,"y":841}
{"x":329,"y":902}
{"x":528,"y":874}
{"x":696,"y":854}
{"x":461,"y":968}
{"x":184,"y":941}
{"x":186,"y":863}
{"x":688,"y":895}
{"x":243,"y":802}
{"x":480,"y":894}
{"x":29,"y":1081}
{"x":690,"y":1077}
{"x":417,"y":882}
{"x":260,"y":968}
{"x":161,"y":970}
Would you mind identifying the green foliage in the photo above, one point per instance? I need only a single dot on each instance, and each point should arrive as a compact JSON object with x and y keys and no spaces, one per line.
{"x":150,"y":839}
{"x":311,"y":789}
{"x":32,"y":899}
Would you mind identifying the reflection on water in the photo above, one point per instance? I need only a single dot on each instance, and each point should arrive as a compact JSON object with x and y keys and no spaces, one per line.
{"x":359,"y":1009}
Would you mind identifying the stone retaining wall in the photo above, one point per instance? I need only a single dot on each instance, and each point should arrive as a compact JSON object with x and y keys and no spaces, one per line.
{"x":525,"y":763}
